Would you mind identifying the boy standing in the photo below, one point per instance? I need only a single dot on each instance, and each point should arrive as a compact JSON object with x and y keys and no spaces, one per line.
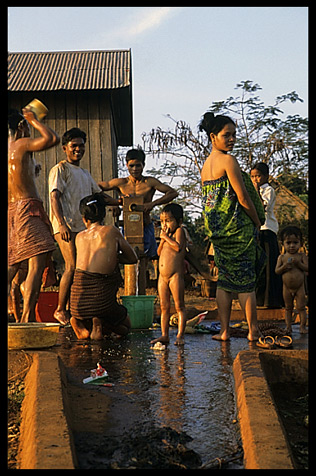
{"x":29,"y":229}
{"x":68,"y":184}
{"x":171,"y":252}
{"x":293,"y":266}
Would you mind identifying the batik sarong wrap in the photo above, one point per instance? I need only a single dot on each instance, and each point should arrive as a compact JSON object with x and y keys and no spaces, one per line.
{"x":94,"y":295}
{"x":238,"y":256}
{"x":29,"y":230}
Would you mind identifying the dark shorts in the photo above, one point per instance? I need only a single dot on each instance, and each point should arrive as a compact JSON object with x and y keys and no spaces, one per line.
{"x":150,"y":243}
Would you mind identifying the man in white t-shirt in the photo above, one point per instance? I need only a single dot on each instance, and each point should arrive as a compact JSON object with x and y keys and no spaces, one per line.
{"x":68,"y":184}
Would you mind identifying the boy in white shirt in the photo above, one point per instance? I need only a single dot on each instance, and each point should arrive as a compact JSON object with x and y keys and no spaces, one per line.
{"x":68,"y":184}
{"x":269,"y":292}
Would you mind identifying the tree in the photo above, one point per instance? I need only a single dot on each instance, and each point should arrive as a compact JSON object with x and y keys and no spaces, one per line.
{"x":261,"y":136}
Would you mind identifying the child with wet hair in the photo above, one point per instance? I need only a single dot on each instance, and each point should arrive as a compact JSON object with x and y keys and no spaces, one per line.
{"x":293,"y":265}
{"x":171,"y":252}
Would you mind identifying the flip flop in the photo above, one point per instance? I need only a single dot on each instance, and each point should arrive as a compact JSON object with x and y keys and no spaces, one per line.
{"x":266,"y":342}
{"x":284,"y":341}
{"x":215,"y":327}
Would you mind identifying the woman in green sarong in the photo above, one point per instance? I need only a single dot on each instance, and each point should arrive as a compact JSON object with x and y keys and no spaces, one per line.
{"x":233,"y":214}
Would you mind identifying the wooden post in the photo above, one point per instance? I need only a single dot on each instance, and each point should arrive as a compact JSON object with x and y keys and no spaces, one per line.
{"x":130,"y":279}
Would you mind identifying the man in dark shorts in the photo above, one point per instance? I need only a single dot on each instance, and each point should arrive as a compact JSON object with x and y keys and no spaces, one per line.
{"x":100,"y":249}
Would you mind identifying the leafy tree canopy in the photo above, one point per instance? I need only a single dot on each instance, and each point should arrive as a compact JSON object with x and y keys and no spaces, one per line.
{"x":262,"y":135}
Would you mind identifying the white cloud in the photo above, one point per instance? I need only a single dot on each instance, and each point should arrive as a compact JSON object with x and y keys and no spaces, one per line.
{"x":133,"y":26}
{"x":150,"y":18}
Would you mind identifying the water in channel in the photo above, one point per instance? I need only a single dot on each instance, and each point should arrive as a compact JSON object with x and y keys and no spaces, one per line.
{"x":189,"y":389}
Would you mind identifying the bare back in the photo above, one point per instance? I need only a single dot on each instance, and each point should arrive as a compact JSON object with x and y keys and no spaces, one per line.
{"x":21,"y":172}
{"x":21,"y":165}
{"x":98,"y":247}
{"x":214,"y":166}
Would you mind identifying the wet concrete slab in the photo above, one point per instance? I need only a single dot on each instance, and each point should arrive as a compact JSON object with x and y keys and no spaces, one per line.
{"x":189,"y":389}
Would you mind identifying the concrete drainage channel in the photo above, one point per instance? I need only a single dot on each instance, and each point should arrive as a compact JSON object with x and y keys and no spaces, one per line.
{"x":47,"y":441}
{"x":264,"y":441}
{"x":45,"y":438}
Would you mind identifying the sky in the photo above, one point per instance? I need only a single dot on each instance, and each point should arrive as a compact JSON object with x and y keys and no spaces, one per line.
{"x":183,"y":58}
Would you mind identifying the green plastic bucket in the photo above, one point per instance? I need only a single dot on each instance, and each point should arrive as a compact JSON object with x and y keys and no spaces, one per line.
{"x":140,"y":310}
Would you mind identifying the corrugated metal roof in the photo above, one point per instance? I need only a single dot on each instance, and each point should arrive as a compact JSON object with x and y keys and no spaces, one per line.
{"x":69,"y":70}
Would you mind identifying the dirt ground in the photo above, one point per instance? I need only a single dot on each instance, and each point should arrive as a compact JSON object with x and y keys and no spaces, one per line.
{"x":19,"y":363}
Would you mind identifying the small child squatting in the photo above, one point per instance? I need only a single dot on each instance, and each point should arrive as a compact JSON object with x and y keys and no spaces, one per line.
{"x":293,"y":265}
{"x":171,"y":252}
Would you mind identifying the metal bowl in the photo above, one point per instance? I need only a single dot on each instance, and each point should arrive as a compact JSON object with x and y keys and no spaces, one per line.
{"x":32,"y":335}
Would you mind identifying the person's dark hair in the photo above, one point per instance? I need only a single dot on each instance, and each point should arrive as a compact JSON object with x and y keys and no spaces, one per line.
{"x":175,"y":210}
{"x":14,"y":119}
{"x":92,"y":207}
{"x":291,"y":230}
{"x":262,"y":167}
{"x":137,"y":154}
{"x":215,"y":124}
{"x":73,"y":134}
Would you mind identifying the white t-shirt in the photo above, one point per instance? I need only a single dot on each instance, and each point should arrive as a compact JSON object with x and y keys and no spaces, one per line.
{"x":74,"y":183}
{"x":268,"y":196}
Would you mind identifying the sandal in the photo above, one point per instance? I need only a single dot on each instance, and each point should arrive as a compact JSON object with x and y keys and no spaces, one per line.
{"x":266,"y":342}
{"x":284,"y":341}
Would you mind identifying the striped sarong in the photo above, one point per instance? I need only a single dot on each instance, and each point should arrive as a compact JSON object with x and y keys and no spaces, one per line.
{"x":94,"y":295}
{"x":29,"y":230}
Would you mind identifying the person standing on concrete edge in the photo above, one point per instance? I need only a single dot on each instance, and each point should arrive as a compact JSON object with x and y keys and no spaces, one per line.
{"x":68,"y":184}
{"x":29,"y":229}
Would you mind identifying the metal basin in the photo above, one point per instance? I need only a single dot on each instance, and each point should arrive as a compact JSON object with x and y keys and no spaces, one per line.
{"x":32,"y":335}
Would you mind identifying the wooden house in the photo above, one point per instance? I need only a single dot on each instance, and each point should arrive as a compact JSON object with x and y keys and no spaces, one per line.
{"x":91,"y":90}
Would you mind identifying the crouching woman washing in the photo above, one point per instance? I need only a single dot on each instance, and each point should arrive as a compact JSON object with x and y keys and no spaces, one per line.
{"x":100,"y":248}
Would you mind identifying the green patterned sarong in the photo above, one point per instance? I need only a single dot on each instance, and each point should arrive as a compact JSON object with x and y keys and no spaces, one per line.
{"x":238,"y":256}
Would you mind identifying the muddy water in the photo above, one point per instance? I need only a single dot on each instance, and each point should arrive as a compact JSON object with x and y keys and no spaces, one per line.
{"x":189,"y":389}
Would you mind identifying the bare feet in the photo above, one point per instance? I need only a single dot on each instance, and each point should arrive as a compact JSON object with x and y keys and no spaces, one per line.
{"x":96,"y":333}
{"x":62,"y":316}
{"x":179,"y":340}
{"x":162,"y":339}
{"x":223,"y":336}
{"x":253,"y":334}
{"x":303,"y":330}
{"x":79,"y":328}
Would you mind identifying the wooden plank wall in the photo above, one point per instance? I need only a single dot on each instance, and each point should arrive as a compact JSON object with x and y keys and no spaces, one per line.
{"x":88,"y":110}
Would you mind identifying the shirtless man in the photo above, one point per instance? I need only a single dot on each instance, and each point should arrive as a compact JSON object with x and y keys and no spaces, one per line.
{"x":293,"y":266}
{"x":100,"y":248}
{"x":171,"y":252}
{"x":137,"y":184}
{"x":29,"y":229}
